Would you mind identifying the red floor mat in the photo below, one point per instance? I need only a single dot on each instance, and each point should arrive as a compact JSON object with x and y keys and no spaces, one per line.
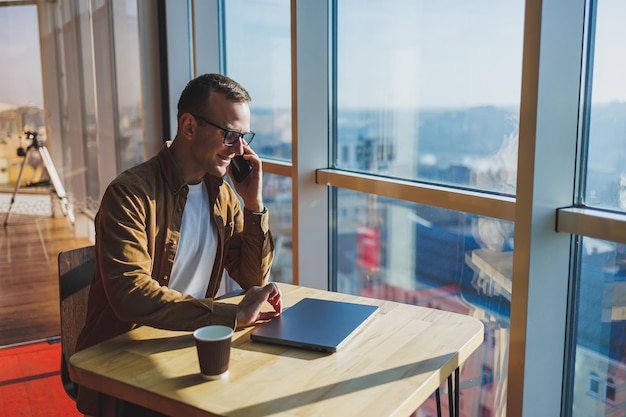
{"x":30,"y":383}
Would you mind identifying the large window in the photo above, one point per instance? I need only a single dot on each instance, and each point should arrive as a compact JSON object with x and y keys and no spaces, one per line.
{"x":459,"y":155}
{"x":429,"y":150}
{"x":88,"y":97}
{"x":606,"y":118}
{"x":94,"y":93}
{"x":436,"y":101}
{"x":258,"y":55}
{"x":416,"y":254}
{"x":131,"y":145}
{"x":21,"y":93}
{"x":599,"y":345}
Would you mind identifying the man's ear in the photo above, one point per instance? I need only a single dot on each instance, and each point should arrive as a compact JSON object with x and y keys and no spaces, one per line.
{"x":187,"y":124}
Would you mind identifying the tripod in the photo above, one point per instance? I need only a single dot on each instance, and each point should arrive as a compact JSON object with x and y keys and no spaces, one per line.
{"x":55,"y":180}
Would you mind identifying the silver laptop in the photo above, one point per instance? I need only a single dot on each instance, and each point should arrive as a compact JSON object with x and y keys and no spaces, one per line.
{"x":315,"y":324}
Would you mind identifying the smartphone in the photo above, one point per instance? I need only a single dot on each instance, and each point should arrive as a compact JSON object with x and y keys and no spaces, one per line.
{"x":240,"y":168}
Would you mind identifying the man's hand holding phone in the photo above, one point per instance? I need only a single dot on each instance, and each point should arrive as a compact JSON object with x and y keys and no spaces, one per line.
{"x":246,"y":173}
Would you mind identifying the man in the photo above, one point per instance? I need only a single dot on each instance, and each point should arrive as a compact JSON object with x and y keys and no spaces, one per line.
{"x":169,"y":227}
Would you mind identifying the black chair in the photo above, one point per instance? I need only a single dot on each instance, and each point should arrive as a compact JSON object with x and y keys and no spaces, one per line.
{"x":76,"y":268}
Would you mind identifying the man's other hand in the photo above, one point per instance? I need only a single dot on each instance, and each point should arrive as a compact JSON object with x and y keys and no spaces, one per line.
{"x":249,"y":309}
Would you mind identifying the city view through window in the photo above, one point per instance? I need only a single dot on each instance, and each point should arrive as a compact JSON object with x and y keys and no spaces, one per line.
{"x":438,"y":102}
{"x":435,"y":102}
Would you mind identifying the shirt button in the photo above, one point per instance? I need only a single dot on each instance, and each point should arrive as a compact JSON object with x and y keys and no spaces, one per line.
{"x":178,"y":210}
{"x":166,"y":277}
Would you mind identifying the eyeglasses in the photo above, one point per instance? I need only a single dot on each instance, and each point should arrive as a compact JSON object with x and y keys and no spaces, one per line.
{"x":230,"y":136}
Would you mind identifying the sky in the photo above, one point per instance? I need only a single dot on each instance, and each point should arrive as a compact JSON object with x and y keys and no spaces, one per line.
{"x":609,"y":80}
{"x":20,"y":66}
{"x":448,"y":53}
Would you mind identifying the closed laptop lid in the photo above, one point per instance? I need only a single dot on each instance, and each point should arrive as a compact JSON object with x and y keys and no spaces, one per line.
{"x":316,"y":324}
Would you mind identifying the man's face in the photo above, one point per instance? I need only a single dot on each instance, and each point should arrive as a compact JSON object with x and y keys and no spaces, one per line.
{"x":208,"y":150}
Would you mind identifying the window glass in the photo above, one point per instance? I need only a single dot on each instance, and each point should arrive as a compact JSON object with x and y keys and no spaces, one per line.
{"x":600,"y":329}
{"x":88,"y":102}
{"x":599,"y":343}
{"x":606,"y":163}
{"x":131,"y":145}
{"x":21,"y":93}
{"x":277,"y":199}
{"x":433,"y":93}
{"x":258,"y":55}
{"x":416,"y":254}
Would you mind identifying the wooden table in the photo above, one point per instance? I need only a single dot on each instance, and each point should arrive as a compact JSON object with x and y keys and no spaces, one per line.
{"x":389,"y":368}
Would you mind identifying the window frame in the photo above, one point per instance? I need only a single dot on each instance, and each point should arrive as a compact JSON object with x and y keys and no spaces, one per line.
{"x":546,"y":219}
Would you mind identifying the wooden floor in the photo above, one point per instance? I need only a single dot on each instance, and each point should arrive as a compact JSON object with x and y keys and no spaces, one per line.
{"x":29,"y":292}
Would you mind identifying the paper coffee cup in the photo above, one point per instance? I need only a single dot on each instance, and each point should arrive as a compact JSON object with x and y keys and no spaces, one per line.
{"x":213,"y":346}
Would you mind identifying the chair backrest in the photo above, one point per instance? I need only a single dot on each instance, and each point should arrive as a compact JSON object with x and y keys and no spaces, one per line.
{"x":76,"y":268}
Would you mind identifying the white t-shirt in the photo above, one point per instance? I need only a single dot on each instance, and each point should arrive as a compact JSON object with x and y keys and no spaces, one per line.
{"x":197,"y":247}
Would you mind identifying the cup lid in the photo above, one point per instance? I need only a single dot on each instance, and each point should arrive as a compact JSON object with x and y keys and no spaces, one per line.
{"x":213,"y":332}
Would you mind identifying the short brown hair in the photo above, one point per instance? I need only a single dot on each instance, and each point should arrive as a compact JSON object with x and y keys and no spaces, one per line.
{"x":196,"y":94}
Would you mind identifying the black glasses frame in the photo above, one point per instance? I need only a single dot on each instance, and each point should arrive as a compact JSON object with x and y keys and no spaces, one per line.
{"x":230,"y":136}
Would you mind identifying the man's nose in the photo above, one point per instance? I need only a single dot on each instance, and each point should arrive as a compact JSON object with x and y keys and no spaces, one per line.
{"x":238,"y":146}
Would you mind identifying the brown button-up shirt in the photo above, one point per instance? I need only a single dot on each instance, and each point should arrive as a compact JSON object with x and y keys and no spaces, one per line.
{"x":137,"y":236}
